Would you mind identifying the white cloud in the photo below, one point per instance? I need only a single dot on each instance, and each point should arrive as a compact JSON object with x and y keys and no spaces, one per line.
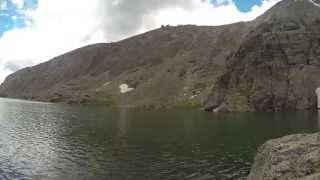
{"x":58,"y":26}
{"x":223,"y":2}
{"x":18,"y":3}
{"x":204,"y":14}
{"x":3,"y":5}
{"x":52,"y":30}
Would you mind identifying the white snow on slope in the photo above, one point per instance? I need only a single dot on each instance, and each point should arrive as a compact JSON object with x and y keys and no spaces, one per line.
{"x":314,"y":3}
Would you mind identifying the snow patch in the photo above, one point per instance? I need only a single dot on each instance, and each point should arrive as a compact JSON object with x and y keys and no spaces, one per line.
{"x":314,"y":3}
{"x":193,"y":96}
{"x":124,"y":88}
{"x":106,"y":84}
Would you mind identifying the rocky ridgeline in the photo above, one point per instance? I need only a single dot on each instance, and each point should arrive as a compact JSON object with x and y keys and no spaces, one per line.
{"x":269,"y":64}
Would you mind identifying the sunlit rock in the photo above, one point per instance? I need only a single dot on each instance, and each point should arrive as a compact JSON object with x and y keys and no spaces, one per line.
{"x":290,"y":157}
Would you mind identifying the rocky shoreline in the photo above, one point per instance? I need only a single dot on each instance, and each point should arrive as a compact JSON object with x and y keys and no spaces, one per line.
{"x":288,"y":158}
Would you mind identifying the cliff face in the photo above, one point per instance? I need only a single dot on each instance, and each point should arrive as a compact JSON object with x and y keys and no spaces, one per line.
{"x":276,"y":67}
{"x":271,"y":63}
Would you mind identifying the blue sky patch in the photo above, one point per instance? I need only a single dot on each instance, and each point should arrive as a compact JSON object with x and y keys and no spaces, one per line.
{"x":11,"y":17}
{"x":246,"y":5}
{"x":242,"y":5}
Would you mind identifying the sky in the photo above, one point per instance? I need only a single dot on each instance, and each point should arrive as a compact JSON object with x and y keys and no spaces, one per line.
{"x":34,"y":31}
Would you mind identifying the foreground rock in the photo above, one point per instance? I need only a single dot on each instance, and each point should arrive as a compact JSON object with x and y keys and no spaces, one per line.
{"x":288,"y":158}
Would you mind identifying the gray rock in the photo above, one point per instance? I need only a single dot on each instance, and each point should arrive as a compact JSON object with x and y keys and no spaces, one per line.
{"x":277,"y":66}
{"x":222,"y":108}
{"x":288,"y":158}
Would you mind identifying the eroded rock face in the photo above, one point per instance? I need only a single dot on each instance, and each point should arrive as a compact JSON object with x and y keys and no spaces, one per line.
{"x":277,"y":66}
{"x":288,"y":158}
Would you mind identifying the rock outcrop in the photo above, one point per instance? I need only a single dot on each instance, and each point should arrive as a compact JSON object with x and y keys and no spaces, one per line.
{"x":277,"y":66}
{"x":289,"y":158}
{"x":269,"y":64}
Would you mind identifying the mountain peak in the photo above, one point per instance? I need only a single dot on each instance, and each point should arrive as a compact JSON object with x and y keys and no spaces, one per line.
{"x":306,"y":11}
{"x":313,"y":2}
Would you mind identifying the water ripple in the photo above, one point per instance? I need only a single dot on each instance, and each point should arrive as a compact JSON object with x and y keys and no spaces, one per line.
{"x":53,"y":142}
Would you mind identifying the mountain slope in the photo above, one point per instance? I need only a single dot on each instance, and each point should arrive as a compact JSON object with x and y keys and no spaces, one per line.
{"x":269,"y":64}
{"x":168,"y":66}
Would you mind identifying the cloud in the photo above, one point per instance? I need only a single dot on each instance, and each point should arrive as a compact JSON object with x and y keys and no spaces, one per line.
{"x":125,"y":17}
{"x":3,"y":5}
{"x":11,"y":66}
{"x":51,"y":30}
{"x":205,"y":14}
{"x":58,"y":26}
{"x":221,"y":2}
{"x":18,"y":3}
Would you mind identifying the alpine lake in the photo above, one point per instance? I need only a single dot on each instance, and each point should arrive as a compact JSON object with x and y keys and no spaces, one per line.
{"x":56,"y":141}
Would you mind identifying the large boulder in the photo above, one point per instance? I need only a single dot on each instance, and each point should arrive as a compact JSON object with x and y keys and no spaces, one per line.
{"x":288,"y":158}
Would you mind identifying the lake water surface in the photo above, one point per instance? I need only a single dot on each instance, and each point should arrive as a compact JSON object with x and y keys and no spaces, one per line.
{"x":52,"y":141}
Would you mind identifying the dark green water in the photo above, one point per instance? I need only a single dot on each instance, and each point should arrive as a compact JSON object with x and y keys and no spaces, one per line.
{"x":50,"y":141}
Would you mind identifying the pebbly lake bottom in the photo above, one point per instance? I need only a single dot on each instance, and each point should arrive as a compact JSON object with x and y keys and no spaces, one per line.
{"x":54,"y":141}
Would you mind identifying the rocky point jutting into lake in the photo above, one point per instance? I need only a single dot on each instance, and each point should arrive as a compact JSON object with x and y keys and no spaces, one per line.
{"x":290,"y":157}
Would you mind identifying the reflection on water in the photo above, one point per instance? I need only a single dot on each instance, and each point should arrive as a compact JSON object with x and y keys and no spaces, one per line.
{"x":318,"y":119}
{"x":123,"y":120}
{"x":50,"y":141}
